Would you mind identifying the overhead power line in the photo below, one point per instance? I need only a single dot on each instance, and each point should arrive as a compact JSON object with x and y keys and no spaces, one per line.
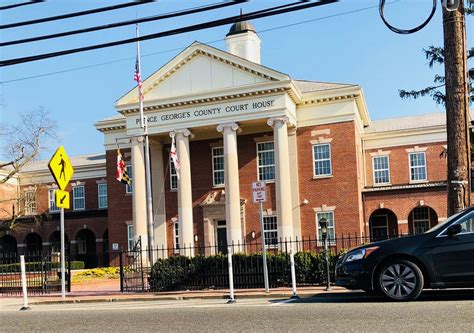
{"x":75,"y":14}
{"x":129,"y":22}
{"x":15,"y":5}
{"x":210,"y":24}
{"x":182,"y":48}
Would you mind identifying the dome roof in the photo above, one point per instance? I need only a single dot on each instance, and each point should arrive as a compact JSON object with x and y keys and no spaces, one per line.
{"x":241,"y":27}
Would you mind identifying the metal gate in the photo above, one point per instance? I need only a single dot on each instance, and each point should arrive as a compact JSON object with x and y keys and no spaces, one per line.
{"x":133,"y":275}
{"x":43,"y":273}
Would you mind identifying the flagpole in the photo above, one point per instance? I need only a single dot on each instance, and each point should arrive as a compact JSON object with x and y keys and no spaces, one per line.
{"x":149,"y":200}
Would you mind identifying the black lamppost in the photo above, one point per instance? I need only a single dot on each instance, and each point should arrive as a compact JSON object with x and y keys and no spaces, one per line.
{"x":323,"y":225}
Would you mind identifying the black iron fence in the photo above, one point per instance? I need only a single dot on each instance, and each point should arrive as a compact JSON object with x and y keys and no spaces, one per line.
{"x":206,"y":266}
{"x":43,"y":273}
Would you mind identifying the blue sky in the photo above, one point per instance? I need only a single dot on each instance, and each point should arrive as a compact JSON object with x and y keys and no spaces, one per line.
{"x":352,"y":48}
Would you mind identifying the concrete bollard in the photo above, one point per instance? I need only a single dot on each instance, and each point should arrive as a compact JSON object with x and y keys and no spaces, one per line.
{"x":293,"y":276}
{"x":231,"y":276}
{"x":23,"y":284}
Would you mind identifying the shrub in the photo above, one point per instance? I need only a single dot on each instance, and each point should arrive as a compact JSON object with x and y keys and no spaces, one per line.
{"x":38,"y":266}
{"x":180,"y":272}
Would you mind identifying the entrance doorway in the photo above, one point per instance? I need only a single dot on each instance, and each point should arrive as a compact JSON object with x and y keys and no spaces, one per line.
{"x":221,"y":236}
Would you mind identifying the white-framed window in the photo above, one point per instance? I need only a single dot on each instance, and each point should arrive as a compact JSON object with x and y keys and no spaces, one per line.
{"x":129,"y":188}
{"x":329,"y":216}
{"x":52,"y":201}
{"x":173,"y":177}
{"x":130,"y":237}
{"x":81,"y":246}
{"x":270,"y":231}
{"x":79,"y":197}
{"x":218,"y":166}
{"x":30,"y":202}
{"x":381,"y":170}
{"x":322,"y":160}
{"x":176,"y":237}
{"x":417,"y":166}
{"x":266,"y":161}
{"x":102,"y":193}
{"x":421,"y":219}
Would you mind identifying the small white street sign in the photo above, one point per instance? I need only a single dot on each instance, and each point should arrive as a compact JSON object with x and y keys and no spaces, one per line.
{"x":259,"y":192}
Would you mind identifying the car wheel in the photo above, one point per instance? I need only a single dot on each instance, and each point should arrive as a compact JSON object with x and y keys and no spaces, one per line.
{"x":400,"y":280}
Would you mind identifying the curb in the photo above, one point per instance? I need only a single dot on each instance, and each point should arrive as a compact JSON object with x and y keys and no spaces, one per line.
{"x":169,"y":298}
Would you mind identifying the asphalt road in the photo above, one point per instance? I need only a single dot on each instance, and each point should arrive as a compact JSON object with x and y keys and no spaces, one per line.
{"x":440,"y":311}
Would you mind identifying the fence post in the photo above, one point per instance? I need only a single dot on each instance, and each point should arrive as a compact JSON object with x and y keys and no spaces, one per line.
{"x":121,"y":271}
{"x":231,"y":276}
{"x":293,"y":276}
{"x":69,"y":273}
{"x":23,"y":284}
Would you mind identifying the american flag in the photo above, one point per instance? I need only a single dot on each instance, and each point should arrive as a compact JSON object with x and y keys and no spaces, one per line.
{"x":138,"y":77}
{"x":174,"y":156}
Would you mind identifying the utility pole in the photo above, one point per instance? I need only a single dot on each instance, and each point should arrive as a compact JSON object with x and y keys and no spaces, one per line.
{"x":457,"y":109}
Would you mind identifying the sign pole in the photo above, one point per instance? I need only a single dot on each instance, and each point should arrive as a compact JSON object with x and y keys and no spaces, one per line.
{"x":63,"y":257}
{"x":264,"y":250}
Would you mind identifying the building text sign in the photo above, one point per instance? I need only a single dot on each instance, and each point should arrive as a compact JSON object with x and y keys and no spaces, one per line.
{"x":209,"y":112}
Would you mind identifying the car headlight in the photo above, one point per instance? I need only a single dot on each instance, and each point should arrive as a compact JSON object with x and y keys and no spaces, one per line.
{"x":360,"y":253}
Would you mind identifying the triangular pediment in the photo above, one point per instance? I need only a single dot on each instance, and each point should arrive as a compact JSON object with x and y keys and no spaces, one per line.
{"x":200,"y":69}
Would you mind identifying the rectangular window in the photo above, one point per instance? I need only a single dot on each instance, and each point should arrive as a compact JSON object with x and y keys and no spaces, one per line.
{"x":79,"y":196}
{"x":129,"y":188}
{"x":417,"y":166}
{"x":266,"y":161}
{"x":176,"y":237}
{"x":102,"y":192}
{"x":30,"y":203}
{"x":322,"y":160}
{"x":81,"y":246}
{"x":270,"y":227}
{"x":130,"y":237}
{"x":421,"y":220}
{"x":329,"y":216}
{"x":381,"y":170}
{"x":173,"y":177}
{"x":52,"y":201}
{"x":218,"y":166}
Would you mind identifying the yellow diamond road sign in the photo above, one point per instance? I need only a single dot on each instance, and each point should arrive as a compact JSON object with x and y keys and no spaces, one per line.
{"x":62,"y":199}
{"x":61,"y":168}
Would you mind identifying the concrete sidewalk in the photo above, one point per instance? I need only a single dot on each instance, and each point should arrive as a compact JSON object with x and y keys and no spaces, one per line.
{"x":113,"y":296}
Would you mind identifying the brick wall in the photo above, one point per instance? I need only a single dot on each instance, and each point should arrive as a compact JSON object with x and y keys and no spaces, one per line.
{"x":436,"y":167}
{"x":119,"y":205}
{"x":341,"y":189}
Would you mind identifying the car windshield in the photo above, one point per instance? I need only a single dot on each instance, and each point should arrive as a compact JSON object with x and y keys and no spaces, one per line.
{"x":441,"y":225}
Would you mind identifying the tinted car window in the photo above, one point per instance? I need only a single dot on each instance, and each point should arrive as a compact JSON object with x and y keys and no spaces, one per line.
{"x":467,"y":224}
{"x":442,"y":225}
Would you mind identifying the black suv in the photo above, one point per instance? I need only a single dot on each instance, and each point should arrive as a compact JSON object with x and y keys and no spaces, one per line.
{"x":442,"y":257}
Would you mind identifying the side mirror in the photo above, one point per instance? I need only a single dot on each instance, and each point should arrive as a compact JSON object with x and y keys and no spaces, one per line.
{"x":454,"y":229}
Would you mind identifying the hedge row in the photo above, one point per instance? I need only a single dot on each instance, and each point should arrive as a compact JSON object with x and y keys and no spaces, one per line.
{"x":180,"y":272}
{"x":35,"y":266}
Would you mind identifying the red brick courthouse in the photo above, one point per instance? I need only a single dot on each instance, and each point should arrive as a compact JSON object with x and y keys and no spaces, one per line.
{"x":235,"y":122}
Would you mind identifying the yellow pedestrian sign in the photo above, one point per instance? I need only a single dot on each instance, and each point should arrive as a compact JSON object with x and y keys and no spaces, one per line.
{"x":61,"y":168}
{"x":62,"y":199}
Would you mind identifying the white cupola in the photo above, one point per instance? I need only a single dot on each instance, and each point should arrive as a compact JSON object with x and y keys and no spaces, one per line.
{"x":243,"y":41}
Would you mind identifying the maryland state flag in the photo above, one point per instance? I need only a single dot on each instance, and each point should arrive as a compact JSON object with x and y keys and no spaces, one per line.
{"x":122,"y":175}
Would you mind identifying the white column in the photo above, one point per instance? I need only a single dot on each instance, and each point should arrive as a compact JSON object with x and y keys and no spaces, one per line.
{"x":158,"y":189}
{"x":232,"y":184}
{"x":282,"y":181}
{"x":139,"y":191}
{"x":185,"y":198}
